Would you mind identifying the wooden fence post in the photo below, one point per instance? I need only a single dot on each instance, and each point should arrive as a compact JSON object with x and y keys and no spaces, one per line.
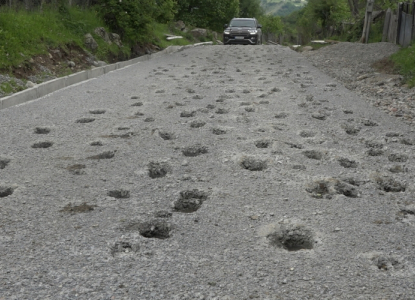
{"x":368,"y":21}
{"x":386,"y":25}
{"x":399,"y":16}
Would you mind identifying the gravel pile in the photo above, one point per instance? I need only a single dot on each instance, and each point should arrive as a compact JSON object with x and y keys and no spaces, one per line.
{"x":352,"y":64}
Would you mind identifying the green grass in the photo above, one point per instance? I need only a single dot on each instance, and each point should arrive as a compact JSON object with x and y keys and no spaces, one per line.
{"x":404,"y":61}
{"x":25,"y":34}
{"x":159,"y":31}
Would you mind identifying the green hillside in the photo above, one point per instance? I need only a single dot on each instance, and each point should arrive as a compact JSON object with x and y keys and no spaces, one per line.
{"x":281,"y":7}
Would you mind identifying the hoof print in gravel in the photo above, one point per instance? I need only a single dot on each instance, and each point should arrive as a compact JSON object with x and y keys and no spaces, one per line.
{"x":397,"y":157}
{"x":6,"y":191}
{"x":197,"y":124}
{"x":313,"y":154}
{"x":263,"y":143}
{"x":350,"y":129}
{"x":253,"y":164}
{"x":158,"y":169}
{"x":347,"y":163}
{"x":85,"y":120}
{"x":187,"y":114}
{"x":74,"y":209}
{"x":119,"y":194}
{"x":346,"y":189}
{"x":97,"y":111}
{"x":389,"y":184}
{"x":292,"y":238}
{"x":307,"y":133}
{"x":250,"y":109}
{"x":348,"y":111}
{"x":76,"y":169}
{"x":103,"y":155}
{"x":158,"y":229}
{"x":149,"y":119}
{"x":190,"y":201}
{"x":4,"y":162}
{"x":195,"y":150}
{"x":137,"y":104}
{"x":374,"y":144}
{"x":218,"y":131}
{"x":167,"y":136}
{"x":124,"y":247}
{"x":45,"y":144}
{"x":42,"y":130}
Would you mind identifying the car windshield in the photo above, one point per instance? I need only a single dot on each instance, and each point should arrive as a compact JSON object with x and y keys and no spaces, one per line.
{"x":242,"y":23}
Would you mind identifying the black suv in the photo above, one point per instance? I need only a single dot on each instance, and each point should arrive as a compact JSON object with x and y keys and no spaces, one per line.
{"x":245,"y":31}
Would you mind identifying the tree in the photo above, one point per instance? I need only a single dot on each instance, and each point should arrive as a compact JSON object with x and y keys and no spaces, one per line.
{"x":211,"y":14}
{"x":250,"y":9}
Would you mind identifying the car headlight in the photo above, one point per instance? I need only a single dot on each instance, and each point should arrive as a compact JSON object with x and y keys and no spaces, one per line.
{"x":226,"y":32}
{"x":253,"y":31}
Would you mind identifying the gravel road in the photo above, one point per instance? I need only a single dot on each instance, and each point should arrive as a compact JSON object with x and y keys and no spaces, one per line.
{"x":211,"y":173}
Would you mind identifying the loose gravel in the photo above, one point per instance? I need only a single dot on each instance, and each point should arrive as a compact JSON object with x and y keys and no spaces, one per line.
{"x":210,"y":200}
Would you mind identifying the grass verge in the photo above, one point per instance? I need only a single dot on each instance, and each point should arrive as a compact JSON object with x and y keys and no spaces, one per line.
{"x":404,"y":61}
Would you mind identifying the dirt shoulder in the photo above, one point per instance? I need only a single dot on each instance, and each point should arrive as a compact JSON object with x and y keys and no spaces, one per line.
{"x":365,"y":68}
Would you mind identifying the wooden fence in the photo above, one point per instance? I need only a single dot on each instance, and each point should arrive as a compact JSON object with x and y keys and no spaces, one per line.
{"x":399,"y":28}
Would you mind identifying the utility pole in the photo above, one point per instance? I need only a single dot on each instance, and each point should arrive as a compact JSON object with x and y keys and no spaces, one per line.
{"x":368,"y":21}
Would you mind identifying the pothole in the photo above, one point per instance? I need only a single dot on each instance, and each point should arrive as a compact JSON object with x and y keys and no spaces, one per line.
{"x":166,"y":135}
{"x":307,"y":133}
{"x":253,"y":164}
{"x":313,"y":154}
{"x":76,"y":169}
{"x":407,"y":141}
{"x":386,"y":263}
{"x":187,"y":114}
{"x":97,"y":111}
{"x":347,"y":163}
{"x":218,"y":131}
{"x":163,"y":214}
{"x":74,"y":209}
{"x":398,"y":157}
{"x":96,"y":143}
{"x":222,"y":111}
{"x":190,"y":201}
{"x":281,"y":115}
{"x":374,"y":152}
{"x":4,"y":162}
{"x":389,"y":184}
{"x":41,"y":130}
{"x":330,"y":186}
{"x":85,"y":120}
{"x":292,"y":238}
{"x":263,"y":143}
{"x":6,"y":191}
{"x":45,"y":144}
{"x":158,"y":169}
{"x":119,"y":194}
{"x":350,"y":129}
{"x":103,"y":155}
{"x":197,"y":124}
{"x":157,"y":228}
{"x":123,"y":248}
{"x":194,"y":150}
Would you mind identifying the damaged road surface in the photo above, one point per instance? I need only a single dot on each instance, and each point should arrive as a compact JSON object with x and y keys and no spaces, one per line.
{"x":210,"y":173}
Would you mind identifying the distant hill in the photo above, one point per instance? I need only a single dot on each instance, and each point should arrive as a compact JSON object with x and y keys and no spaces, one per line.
{"x":281,"y":7}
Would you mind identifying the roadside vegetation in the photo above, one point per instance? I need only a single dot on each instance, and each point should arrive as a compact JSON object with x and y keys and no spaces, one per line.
{"x":342,"y":20}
